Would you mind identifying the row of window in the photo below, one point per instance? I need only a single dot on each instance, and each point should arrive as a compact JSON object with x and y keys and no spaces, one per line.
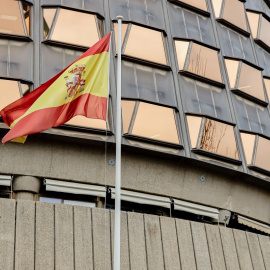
{"x":202,"y":83}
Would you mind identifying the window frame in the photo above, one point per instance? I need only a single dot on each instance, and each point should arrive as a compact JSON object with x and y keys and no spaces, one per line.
{"x":129,"y":135}
{"x":198,"y":150}
{"x":232,"y":26}
{"x":253,"y":166}
{"x":194,"y":76}
{"x":239,"y":92}
{"x":61,"y":44}
{"x":141,"y":60}
{"x":27,"y":36}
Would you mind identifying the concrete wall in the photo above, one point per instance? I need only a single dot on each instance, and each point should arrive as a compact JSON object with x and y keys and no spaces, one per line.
{"x":46,"y":236}
{"x":83,"y":161}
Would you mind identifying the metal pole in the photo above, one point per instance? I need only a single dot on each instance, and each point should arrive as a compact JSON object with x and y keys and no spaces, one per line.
{"x":118,"y":154}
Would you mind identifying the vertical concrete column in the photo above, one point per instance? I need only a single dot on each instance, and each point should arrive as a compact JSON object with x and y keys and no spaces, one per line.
{"x":25,"y":187}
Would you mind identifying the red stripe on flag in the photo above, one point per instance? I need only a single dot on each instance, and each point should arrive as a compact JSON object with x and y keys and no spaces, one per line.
{"x":88,"y":105}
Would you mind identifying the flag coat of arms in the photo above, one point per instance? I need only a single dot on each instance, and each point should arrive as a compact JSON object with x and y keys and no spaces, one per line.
{"x":80,"y":89}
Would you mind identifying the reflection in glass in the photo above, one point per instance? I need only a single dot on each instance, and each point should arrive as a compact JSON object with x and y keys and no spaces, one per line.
{"x":262,"y":154}
{"x":10,"y":18}
{"x":201,"y":4}
{"x":204,"y":62}
{"x":151,"y":121}
{"x":83,"y":121}
{"x":250,"y":81}
{"x":146,"y":44}
{"x":155,"y":122}
{"x":127,"y":112}
{"x":26,"y":13}
{"x":253,"y":19}
{"x":232,"y":69}
{"x":76,"y":28}
{"x":217,"y":4}
{"x":264,"y":31}
{"x":194,"y":125}
{"x":48,"y":16}
{"x":267,"y":86}
{"x":9,"y":92}
{"x":234,"y":12}
{"x":181,"y":51}
{"x":248,"y":141}
{"x":219,"y":138}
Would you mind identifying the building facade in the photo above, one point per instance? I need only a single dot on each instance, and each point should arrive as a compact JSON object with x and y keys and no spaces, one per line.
{"x":195,"y":134}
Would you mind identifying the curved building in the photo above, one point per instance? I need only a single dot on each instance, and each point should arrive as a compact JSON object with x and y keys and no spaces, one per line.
{"x":195,"y":137}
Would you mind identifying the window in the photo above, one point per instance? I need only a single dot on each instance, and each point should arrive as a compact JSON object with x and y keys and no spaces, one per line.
{"x":147,"y":83}
{"x":16,"y":59}
{"x":66,"y":201}
{"x":11,"y":91}
{"x":142,"y":43}
{"x":256,"y":150}
{"x":251,"y":116}
{"x":245,"y":79}
{"x":260,"y":34}
{"x":258,"y":5}
{"x":208,"y":136}
{"x":234,"y":44}
{"x":72,"y":27}
{"x":14,"y":18}
{"x":153,"y":122}
{"x":200,"y":4}
{"x":187,"y":24}
{"x":204,"y":99}
{"x":198,"y":60}
{"x":264,"y":59}
{"x":148,"y":12}
{"x":267,"y":87}
{"x":231,"y":12}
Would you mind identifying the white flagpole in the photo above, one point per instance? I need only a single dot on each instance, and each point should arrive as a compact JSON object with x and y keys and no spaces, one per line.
{"x":118,"y":154}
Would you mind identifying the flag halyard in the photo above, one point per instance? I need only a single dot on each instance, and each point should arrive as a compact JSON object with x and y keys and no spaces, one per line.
{"x":80,"y":89}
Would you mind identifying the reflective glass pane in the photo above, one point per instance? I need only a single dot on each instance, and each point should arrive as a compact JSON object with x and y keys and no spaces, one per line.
{"x":81,"y":203}
{"x":201,"y":4}
{"x":262,"y":154}
{"x":181,"y":51}
{"x":204,"y":62}
{"x":206,"y":30}
{"x":50,"y":200}
{"x":192,"y":26}
{"x":267,"y":87}
{"x":147,"y":83}
{"x":232,"y":69}
{"x":236,"y":45}
{"x":264,"y":59}
{"x":155,"y":122}
{"x":82,"y":121}
{"x":4,"y":57}
{"x":147,"y":12}
{"x":21,"y":60}
{"x":26,"y":13}
{"x":248,"y":141}
{"x":219,"y":138}
{"x":194,"y":124}
{"x":10,"y":18}
{"x":75,"y":28}
{"x":265,"y":30}
{"x":204,"y":99}
{"x":127,"y":112}
{"x":234,"y":12}
{"x":250,"y":81}
{"x":146,"y":44}
{"x":48,"y":16}
{"x":217,"y":4}
{"x":9,"y":92}
{"x":254,"y":4}
{"x":253,"y":19}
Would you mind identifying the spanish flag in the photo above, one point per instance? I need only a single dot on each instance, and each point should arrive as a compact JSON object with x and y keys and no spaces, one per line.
{"x":80,"y":89}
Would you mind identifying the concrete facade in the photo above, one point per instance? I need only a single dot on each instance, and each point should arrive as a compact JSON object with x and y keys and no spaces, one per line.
{"x":47,"y":236}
